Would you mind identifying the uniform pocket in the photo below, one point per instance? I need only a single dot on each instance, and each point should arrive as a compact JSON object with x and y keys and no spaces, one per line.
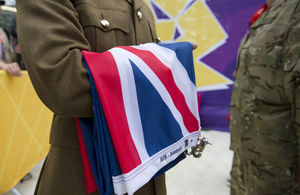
{"x":104,"y":28}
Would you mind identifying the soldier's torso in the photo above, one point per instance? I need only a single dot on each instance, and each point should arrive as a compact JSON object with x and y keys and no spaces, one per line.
{"x":106,"y":24}
{"x":261,"y":122}
{"x":113,"y":23}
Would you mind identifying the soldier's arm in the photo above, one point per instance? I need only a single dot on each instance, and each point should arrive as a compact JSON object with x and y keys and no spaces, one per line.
{"x":51,"y":39}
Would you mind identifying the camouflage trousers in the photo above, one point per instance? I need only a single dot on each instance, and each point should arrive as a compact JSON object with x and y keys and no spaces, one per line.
{"x":250,"y":178}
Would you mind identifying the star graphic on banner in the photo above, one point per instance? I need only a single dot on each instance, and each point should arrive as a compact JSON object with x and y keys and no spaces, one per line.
{"x":192,"y":21}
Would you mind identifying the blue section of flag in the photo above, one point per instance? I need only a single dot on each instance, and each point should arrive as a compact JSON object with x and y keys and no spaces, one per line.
{"x":184,"y":56}
{"x":159,"y":125}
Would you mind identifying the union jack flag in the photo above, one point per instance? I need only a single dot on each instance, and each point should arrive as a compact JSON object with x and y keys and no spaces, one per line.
{"x":145,"y":113}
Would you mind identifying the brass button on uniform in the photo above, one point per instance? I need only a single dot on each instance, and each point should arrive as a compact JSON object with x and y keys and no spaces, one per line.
{"x":105,"y":23}
{"x":139,"y":15}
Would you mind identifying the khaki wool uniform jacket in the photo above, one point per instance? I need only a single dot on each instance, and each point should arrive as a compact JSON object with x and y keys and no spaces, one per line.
{"x":52,"y":34}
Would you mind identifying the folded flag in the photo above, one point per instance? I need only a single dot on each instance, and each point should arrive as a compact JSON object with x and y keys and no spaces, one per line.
{"x":145,"y":114}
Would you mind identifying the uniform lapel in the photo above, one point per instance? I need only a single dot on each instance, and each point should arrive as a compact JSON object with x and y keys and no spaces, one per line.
{"x":137,"y":4}
{"x":129,"y":1}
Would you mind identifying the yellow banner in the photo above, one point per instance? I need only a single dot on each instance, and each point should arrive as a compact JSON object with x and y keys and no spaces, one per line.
{"x":192,"y":21}
{"x":24,"y":129}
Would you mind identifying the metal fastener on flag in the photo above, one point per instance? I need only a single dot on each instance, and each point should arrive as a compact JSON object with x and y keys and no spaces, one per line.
{"x":198,"y":149}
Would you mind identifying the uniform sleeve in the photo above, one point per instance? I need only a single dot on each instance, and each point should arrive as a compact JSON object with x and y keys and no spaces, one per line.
{"x":51,"y":39}
{"x":291,"y":65}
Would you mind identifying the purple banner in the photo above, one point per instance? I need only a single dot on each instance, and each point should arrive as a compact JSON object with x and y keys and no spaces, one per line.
{"x":234,"y":16}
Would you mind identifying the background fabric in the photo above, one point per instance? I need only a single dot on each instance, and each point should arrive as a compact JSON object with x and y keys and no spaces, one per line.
{"x":218,"y":27}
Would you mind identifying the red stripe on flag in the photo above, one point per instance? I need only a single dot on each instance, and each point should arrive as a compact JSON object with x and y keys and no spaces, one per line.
{"x":166,"y":77}
{"x":108,"y":84}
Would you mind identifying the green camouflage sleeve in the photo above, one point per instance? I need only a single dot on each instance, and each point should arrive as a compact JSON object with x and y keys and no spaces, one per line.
{"x":291,"y":65}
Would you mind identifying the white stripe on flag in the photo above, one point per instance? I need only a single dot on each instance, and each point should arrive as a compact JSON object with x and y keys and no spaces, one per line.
{"x":169,"y":58}
{"x":133,"y":180}
{"x":130,"y":102}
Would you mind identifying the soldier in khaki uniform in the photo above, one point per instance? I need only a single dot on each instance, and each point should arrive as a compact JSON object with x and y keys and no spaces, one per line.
{"x":265,"y":105}
{"x":52,"y":34}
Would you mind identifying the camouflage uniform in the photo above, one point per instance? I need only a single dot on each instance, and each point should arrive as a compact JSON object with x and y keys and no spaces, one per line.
{"x":265,"y":105}
{"x":251,"y":178}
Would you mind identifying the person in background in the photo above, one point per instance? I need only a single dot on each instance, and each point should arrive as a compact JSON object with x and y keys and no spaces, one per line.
{"x":265,"y":105}
{"x":15,"y":43}
{"x":7,"y":62}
